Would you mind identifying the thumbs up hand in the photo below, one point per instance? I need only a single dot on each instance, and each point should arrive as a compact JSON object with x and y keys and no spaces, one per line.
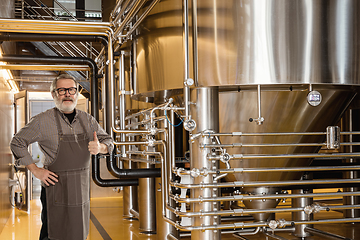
{"x":94,"y":146}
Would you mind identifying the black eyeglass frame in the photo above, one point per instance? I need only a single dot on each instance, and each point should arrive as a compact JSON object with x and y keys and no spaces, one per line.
{"x":66,"y":89}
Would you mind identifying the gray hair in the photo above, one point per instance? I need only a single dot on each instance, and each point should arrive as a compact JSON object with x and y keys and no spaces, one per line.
{"x":62,"y":76}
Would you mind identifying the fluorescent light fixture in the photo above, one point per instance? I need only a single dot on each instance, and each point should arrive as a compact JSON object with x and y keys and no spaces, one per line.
{"x":6,"y":74}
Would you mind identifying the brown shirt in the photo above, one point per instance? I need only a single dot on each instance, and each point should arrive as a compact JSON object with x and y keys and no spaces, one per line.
{"x":42,"y":129}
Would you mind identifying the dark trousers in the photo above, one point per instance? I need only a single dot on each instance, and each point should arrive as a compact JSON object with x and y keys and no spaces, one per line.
{"x":44,"y":228}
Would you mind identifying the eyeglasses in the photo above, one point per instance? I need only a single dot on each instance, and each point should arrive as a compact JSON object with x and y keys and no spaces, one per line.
{"x":62,"y":91}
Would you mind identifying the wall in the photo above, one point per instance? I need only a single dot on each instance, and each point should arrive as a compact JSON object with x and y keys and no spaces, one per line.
{"x":6,"y":132}
{"x":6,"y":127}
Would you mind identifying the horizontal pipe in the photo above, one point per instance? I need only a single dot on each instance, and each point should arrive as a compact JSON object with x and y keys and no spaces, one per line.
{"x":241,"y":211}
{"x":237,"y":134}
{"x":130,"y":131}
{"x":268,"y":184}
{"x":146,"y":121}
{"x":306,"y":155}
{"x":182,"y":171}
{"x":21,"y":37}
{"x":60,"y":60}
{"x":108,"y":182}
{"x":323,"y":234}
{"x":131,"y":173}
{"x":46,"y":67}
{"x":234,"y":145}
{"x":241,"y":225}
{"x":130,"y":143}
{"x":144,"y":160}
{"x":262,"y":197}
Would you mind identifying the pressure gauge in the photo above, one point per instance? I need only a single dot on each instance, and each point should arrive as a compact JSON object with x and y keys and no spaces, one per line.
{"x":314,"y":98}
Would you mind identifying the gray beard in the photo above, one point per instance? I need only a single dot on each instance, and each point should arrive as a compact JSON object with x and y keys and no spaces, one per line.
{"x":59,"y":104}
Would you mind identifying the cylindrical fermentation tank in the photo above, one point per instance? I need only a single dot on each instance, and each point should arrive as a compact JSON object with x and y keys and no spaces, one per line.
{"x":286,"y":47}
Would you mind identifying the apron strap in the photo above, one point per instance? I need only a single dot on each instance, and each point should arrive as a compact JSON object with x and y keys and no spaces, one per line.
{"x":58,"y":124}
{"x":57,"y":120}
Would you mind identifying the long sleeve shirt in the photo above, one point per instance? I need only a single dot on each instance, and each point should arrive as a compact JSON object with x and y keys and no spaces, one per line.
{"x":42,"y":129}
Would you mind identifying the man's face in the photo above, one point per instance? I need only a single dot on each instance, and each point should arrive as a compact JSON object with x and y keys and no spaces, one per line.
{"x":67,"y":102}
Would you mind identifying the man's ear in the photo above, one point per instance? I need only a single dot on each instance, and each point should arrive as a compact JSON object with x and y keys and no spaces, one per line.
{"x":53,"y":94}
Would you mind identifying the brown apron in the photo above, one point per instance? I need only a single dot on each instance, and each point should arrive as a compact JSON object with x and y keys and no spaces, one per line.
{"x":68,"y":201}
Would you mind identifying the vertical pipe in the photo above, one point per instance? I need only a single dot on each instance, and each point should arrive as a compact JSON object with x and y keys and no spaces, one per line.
{"x":163,"y":228}
{"x":347,"y":125}
{"x":133,"y":66}
{"x":122,"y":99}
{"x":109,"y":110}
{"x":206,"y":114}
{"x":147,"y":220}
{"x":259,"y":101}
{"x":147,"y":211}
{"x":130,"y":193}
{"x":301,"y":216}
{"x":195,"y":39}
{"x":187,"y":62}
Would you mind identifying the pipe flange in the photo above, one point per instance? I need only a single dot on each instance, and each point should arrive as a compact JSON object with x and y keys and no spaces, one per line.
{"x":195,"y":172}
{"x":308,"y":210}
{"x":273,"y":224}
{"x":225,"y":157}
{"x":189,"y":125}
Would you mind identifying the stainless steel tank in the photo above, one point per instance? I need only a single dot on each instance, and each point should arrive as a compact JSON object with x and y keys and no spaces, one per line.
{"x":282,"y":45}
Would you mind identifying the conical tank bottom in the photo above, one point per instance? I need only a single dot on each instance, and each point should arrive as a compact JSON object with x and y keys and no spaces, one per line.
{"x":261,"y":204}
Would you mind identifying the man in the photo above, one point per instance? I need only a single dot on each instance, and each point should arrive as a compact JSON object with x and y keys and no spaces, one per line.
{"x":67,"y":137}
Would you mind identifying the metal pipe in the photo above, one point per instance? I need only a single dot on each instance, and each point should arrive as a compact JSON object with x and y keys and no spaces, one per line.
{"x":145,"y":111}
{"x":206,"y":114}
{"x":130,"y":143}
{"x":233,"y":145}
{"x":68,"y":60}
{"x":182,"y":171}
{"x":66,"y":10}
{"x":141,"y":18}
{"x":235,"y":134}
{"x":306,"y":155}
{"x":171,"y":237}
{"x":272,"y":235}
{"x":261,"y":184}
{"x":45,"y":67}
{"x":109,"y":109}
{"x":122,"y":107}
{"x":260,"y":197}
{"x":131,"y":173}
{"x":122,"y":10}
{"x":146,"y":121}
{"x":195,"y":41}
{"x":108,"y":182}
{"x":135,"y":8}
{"x":115,"y":11}
{"x":126,"y":131}
{"x":186,"y":88}
{"x":242,"y":225}
{"x":242,"y":212}
{"x":134,"y":212}
{"x":18,"y":37}
{"x":323,"y":234}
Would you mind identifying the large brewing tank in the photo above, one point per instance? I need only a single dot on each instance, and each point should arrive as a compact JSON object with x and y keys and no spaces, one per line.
{"x":284,"y":46}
